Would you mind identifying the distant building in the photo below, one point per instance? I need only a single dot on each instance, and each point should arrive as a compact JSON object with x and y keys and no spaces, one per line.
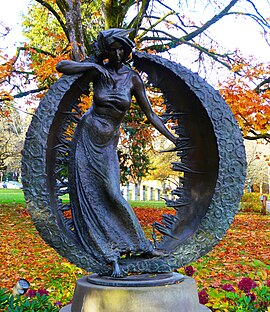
{"x":150,"y":190}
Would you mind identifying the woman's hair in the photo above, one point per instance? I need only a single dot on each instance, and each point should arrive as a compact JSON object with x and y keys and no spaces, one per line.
{"x":107,"y":37}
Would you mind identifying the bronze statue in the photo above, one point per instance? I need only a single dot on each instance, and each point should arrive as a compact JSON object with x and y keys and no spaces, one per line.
{"x":209,"y":149}
{"x":104,"y":221}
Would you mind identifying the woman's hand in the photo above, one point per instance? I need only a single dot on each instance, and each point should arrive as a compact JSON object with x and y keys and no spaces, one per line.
{"x":103,"y":71}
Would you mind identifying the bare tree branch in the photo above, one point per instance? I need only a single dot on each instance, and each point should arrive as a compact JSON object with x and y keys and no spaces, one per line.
{"x":155,"y":24}
{"x":209,"y":23}
{"x":22,"y":94}
{"x":256,"y":136}
{"x":265,"y":22}
{"x":264,"y":82}
{"x":28,"y":48}
{"x":137,"y":21}
{"x":172,"y":42}
{"x":55,"y":14}
{"x":5,"y":31}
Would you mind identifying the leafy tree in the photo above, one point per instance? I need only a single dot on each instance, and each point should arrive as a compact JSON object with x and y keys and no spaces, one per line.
{"x":137,"y":141}
{"x":133,"y":152}
{"x":162,"y":163}
{"x":11,"y":142}
{"x":70,"y":27}
{"x":249,"y":97}
{"x":61,"y":29}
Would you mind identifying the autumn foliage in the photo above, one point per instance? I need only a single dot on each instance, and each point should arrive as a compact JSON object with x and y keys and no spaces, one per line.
{"x":249,"y":99}
{"x":244,"y":252}
{"x":59,"y":30}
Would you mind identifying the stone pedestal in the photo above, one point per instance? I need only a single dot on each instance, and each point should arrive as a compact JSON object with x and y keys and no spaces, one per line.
{"x":151,"y":293}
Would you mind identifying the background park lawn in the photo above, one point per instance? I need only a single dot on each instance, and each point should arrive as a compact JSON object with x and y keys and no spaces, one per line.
{"x":243,"y":252}
{"x":11,"y":196}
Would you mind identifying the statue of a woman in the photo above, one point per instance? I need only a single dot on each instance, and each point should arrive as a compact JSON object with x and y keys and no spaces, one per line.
{"x":105,"y":223}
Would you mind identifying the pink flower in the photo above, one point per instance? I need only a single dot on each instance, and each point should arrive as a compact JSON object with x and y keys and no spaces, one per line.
{"x":58,"y":304}
{"x":42,"y":292}
{"x":246,"y":284}
{"x":264,"y":304}
{"x":203,"y":297}
{"x":228,"y":287}
{"x":267,"y":283}
{"x":189,"y":270}
{"x":31,"y":293}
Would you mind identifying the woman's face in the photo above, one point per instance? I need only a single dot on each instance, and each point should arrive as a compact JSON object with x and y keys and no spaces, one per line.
{"x":116,"y":54}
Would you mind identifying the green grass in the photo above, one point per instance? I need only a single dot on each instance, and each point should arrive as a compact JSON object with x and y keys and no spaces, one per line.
{"x":145,"y":204}
{"x":14,"y":196}
{"x":10,"y":196}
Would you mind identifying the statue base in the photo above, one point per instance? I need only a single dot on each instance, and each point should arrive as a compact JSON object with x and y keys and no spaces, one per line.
{"x":166,"y":292}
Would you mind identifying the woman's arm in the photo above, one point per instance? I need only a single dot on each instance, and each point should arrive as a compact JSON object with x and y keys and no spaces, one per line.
{"x":72,"y":68}
{"x":142,"y":100}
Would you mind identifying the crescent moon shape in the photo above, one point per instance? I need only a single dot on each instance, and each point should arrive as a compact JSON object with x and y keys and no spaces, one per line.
{"x":211,"y":156}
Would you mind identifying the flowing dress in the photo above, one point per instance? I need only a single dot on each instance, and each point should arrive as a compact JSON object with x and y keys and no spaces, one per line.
{"x":104,"y":221}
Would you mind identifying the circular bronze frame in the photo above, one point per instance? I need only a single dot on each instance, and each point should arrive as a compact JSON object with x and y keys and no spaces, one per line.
{"x":211,"y":156}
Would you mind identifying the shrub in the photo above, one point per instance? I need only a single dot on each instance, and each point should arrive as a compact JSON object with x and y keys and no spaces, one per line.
{"x":36,"y":302}
{"x":248,"y":297}
{"x":251,"y":202}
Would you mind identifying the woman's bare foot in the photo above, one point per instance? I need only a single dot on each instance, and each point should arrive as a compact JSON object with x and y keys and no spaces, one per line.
{"x":117,"y":272}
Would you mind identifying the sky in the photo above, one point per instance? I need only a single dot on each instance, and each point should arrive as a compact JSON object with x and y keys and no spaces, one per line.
{"x":240,"y":32}
{"x":11,"y":16}
{"x":229,"y":32}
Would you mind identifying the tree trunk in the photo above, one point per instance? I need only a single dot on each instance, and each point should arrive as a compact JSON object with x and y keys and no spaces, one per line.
{"x":75,"y":30}
{"x":113,"y":14}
